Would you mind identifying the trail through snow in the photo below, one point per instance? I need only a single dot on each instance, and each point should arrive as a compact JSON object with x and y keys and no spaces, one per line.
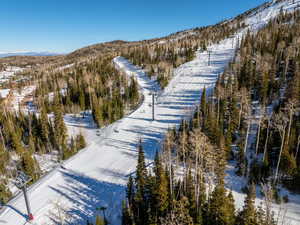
{"x":97,"y":175}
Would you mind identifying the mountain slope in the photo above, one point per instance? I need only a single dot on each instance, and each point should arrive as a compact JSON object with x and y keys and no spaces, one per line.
{"x":112,"y":157}
{"x":96,"y":176}
{"x":9,"y":54}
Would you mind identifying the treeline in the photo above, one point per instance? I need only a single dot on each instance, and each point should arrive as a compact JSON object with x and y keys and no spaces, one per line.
{"x":160,"y":57}
{"x":94,"y":85}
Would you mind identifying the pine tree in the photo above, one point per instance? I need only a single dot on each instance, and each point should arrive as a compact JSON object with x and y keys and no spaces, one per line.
{"x":203,"y":103}
{"x":60,"y":130}
{"x":180,"y":213}
{"x":161,"y":187}
{"x":17,"y":143}
{"x":31,"y":144}
{"x":133,"y":91}
{"x":248,"y":216}
{"x":221,"y":210}
{"x":231,"y":207}
{"x":81,"y":99}
{"x":5,"y":193}
{"x":98,"y":112}
{"x":4,"y":159}
{"x":130,"y":191}
{"x":44,"y":125}
{"x":80,"y":142}
{"x":127,"y":218}
{"x":29,"y":165}
{"x":141,"y":181}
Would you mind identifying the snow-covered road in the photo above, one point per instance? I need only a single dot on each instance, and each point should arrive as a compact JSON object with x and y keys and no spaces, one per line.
{"x":96,"y":176}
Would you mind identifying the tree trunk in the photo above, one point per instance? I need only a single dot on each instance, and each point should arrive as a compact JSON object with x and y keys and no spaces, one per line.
{"x":297,"y":149}
{"x":240,"y":115}
{"x":278,"y":162}
{"x":258,"y":134}
{"x":196,"y":178}
{"x":198,"y":116}
{"x":266,"y":143}
{"x":218,"y":110}
{"x":247,"y":135}
{"x":90,"y":97}
{"x":3,"y":141}
{"x":290,"y":124}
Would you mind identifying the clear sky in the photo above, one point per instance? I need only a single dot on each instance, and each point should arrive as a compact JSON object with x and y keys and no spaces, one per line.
{"x":65,"y":25}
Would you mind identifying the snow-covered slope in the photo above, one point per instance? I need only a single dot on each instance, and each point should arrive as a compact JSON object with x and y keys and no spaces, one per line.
{"x":96,"y":176}
{"x":9,"y":72}
{"x":260,"y":18}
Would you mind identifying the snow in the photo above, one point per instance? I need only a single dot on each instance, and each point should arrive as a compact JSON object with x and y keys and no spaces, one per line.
{"x":260,"y":18}
{"x":65,"y":67}
{"x":47,"y":161}
{"x":291,"y":209}
{"x":77,"y":124}
{"x":9,"y":72}
{"x":18,"y":97}
{"x":51,"y":95}
{"x":97,"y":175}
{"x":4,"y":93}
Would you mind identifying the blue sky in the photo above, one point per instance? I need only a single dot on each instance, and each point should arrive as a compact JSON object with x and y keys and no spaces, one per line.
{"x":65,"y":25}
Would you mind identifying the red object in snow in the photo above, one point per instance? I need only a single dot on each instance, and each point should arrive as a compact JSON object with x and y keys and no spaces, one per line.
{"x":30,"y":216}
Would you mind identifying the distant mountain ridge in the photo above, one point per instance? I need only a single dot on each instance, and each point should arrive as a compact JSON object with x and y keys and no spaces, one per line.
{"x":8,"y":54}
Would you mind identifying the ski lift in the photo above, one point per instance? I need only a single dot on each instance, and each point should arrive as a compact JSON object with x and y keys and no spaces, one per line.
{"x":22,"y":179}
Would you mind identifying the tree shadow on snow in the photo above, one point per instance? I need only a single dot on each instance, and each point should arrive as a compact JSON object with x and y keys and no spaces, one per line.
{"x":86,"y":194}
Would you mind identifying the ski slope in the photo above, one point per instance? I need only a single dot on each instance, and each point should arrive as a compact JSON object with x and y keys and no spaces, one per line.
{"x":97,"y":175}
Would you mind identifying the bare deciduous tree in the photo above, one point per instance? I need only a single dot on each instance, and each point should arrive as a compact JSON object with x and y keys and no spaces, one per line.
{"x":297,"y":149}
{"x":203,"y":157}
{"x":291,"y":108}
{"x":268,"y":198}
{"x":280,"y":123}
{"x":262,"y":108}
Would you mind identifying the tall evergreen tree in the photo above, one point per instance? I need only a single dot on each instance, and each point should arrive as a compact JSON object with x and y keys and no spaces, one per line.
{"x":221,"y":210}
{"x":141,"y":181}
{"x":161,"y":188}
{"x":248,"y":216}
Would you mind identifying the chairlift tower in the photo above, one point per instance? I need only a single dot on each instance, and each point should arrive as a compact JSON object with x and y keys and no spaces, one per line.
{"x":209,"y":53}
{"x":153,"y":101}
{"x":21,"y":182}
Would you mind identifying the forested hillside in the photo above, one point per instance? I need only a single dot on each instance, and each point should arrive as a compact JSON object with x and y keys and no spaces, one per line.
{"x":186,"y":184}
{"x":94,"y":87}
{"x":159,"y":58}
{"x":226,"y":152}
